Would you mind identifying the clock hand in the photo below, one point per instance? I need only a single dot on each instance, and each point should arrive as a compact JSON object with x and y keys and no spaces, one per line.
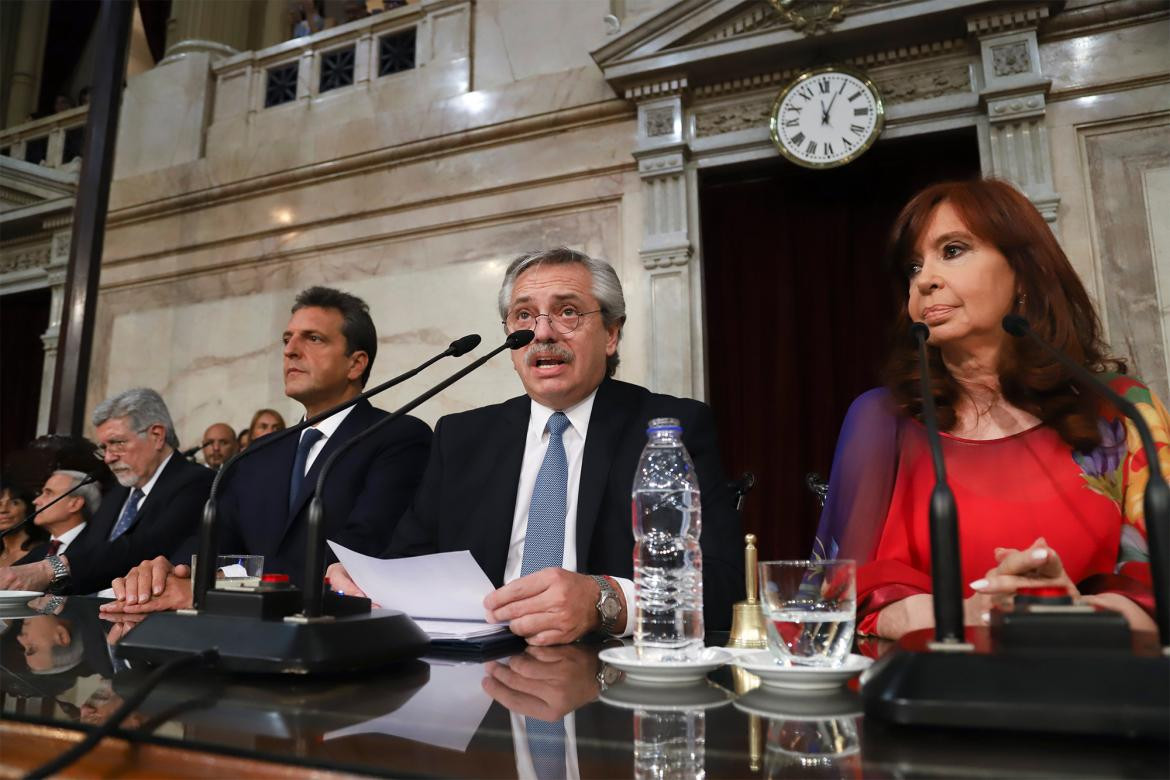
{"x":825,"y":111}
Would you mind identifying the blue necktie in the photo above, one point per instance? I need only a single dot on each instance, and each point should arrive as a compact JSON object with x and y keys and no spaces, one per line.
{"x":310,"y":437}
{"x":546,"y":745}
{"x":544,"y":541}
{"x":129,"y":514}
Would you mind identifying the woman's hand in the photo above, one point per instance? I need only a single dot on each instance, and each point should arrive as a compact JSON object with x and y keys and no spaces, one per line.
{"x":1036,"y":567}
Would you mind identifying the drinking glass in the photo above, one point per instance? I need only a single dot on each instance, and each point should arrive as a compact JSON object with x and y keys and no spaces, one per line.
{"x":810,"y":608}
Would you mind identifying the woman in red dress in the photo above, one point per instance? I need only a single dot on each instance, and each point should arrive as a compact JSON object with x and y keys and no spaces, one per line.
{"x":1048,"y":480}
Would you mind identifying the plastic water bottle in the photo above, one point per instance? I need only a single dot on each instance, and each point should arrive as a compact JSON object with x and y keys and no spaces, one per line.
{"x":668,"y":562}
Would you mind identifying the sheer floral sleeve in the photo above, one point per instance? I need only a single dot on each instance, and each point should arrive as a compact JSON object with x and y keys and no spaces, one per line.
{"x":1131,"y":577}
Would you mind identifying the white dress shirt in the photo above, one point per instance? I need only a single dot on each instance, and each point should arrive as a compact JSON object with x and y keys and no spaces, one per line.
{"x":328,"y":427}
{"x":149,"y":486}
{"x":66,"y":538}
{"x":535,"y":446}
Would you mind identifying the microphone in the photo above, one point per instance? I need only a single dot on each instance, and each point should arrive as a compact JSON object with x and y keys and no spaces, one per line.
{"x":89,"y":479}
{"x":189,"y":453}
{"x":208,"y":532}
{"x":1157,"y":497}
{"x":315,"y":554}
{"x":944,"y":517}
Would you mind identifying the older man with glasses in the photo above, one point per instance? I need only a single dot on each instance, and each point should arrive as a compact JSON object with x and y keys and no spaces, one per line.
{"x":153,"y":511}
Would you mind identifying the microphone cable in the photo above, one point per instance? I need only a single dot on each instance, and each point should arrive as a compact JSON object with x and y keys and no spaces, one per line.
{"x":128,"y":706}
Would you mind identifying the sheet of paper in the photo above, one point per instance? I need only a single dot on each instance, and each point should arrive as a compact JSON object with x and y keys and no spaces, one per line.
{"x":446,"y":712}
{"x":460,"y":629}
{"x":444,"y":586}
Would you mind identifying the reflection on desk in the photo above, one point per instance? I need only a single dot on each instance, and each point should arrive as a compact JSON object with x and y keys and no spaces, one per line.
{"x":536,"y":712}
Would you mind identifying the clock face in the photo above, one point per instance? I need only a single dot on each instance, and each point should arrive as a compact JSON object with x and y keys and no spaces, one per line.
{"x":827,"y":117}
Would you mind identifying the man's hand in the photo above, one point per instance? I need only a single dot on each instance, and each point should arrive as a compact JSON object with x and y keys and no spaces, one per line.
{"x":549,"y":607}
{"x":340,"y":582}
{"x":121,"y":626}
{"x":31,"y":576}
{"x":175,"y":591}
{"x":143,"y":582}
{"x":545,"y":682}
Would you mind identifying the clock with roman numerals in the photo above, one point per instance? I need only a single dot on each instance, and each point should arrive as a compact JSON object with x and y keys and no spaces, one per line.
{"x":827,"y":117}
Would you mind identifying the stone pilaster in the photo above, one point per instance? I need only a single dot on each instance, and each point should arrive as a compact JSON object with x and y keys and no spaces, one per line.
{"x":668,"y":243}
{"x":1014,"y":95}
{"x":26,"y":62}
{"x":216,"y":27}
{"x":56,"y":271}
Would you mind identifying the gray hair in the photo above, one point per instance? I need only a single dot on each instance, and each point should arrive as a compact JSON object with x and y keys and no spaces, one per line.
{"x":143,"y":406}
{"x":92,"y":493}
{"x":607,"y":288}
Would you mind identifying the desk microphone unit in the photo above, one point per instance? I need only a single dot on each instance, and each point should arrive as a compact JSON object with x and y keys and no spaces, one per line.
{"x":254,"y":629}
{"x":1046,"y":665}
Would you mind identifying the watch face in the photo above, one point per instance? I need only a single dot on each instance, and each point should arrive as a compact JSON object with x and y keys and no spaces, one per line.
{"x":827,"y":117}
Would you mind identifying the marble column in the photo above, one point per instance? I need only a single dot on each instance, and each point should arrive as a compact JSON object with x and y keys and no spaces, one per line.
{"x":218,"y":27}
{"x":668,"y":242}
{"x":1014,"y":96}
{"x":56,"y":271}
{"x":26,"y":64}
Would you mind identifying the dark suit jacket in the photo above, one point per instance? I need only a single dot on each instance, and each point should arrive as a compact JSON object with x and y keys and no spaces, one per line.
{"x":367,"y":490}
{"x":166,"y":518}
{"x":468,"y":495}
{"x":39,"y":552}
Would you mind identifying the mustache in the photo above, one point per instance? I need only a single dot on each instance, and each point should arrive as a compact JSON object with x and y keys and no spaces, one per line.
{"x":547,"y":350}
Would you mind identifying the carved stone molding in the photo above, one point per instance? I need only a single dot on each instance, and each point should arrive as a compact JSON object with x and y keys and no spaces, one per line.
{"x":664,"y":88}
{"x":1016,"y":107}
{"x":61,"y":245}
{"x":669,"y":257}
{"x":923,"y":85}
{"x":758,"y":18}
{"x":728,"y":119}
{"x":661,"y":164}
{"x":1007,"y":19}
{"x":1011,"y":58}
{"x":659,"y":122}
{"x":25,"y":259}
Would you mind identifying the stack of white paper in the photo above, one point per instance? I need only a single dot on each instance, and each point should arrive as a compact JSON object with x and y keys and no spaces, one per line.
{"x":444,"y":592}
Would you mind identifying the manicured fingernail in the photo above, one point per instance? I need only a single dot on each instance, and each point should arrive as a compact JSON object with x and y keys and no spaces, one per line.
{"x":985,"y":617}
{"x":979,"y":584}
{"x":1039,"y":555}
{"x":157,"y":590}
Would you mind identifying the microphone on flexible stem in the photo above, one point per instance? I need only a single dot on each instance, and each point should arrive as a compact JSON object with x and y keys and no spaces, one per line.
{"x":315,"y":554}
{"x":1157,"y":496}
{"x":89,"y":479}
{"x":209,"y":531}
{"x":944,"y":516}
{"x":189,"y":453}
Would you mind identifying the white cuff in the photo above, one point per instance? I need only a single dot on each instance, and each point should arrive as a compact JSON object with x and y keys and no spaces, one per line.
{"x":627,"y":587}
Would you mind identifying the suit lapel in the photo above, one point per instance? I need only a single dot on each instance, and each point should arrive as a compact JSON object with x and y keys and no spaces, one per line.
{"x":606,"y":423}
{"x":499,"y":503}
{"x":156,"y":492}
{"x":353,"y":424}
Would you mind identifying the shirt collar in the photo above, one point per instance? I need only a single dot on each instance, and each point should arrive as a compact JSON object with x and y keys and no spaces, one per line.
{"x":578,"y":415}
{"x":154,"y":477}
{"x":70,"y":535}
{"x":330,"y":424}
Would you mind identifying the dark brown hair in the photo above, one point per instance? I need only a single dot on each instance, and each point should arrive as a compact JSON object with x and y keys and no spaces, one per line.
{"x":1053,"y":300}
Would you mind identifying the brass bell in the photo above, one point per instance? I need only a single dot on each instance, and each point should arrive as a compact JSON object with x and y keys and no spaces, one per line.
{"x":747,"y":619}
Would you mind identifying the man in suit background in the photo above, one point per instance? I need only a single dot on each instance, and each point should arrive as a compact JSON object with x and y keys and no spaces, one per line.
{"x":478,"y":490}
{"x":153,"y":511}
{"x":329,"y":348}
{"x":67,"y":520}
{"x":219,"y":444}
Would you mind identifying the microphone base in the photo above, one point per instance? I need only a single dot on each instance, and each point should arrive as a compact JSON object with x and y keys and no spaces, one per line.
{"x":1094,"y":691}
{"x":334,"y":645}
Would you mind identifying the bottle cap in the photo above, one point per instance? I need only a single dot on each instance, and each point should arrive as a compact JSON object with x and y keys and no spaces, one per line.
{"x":663,"y":424}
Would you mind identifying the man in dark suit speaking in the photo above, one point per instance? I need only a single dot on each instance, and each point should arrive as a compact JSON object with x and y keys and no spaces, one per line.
{"x":329,"y":348}
{"x":486,"y":487}
{"x":153,"y":511}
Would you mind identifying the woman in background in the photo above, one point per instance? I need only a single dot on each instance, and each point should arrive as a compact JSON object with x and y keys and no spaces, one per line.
{"x":1047,"y":478}
{"x":264,"y":422}
{"x":15,"y":504}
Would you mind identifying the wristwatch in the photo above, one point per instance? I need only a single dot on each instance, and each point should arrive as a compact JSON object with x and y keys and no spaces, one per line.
{"x":609,"y":606}
{"x":61,"y":575}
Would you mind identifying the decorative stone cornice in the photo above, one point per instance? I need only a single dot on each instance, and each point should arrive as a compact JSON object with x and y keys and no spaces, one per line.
{"x":922,"y":85}
{"x":663,"y":161}
{"x":1007,"y":19}
{"x":25,"y":259}
{"x":666,"y":257}
{"x":657,"y":89}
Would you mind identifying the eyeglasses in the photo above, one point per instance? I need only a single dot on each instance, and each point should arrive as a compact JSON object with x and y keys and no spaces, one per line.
{"x":566,"y":320}
{"x":116,"y":446}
